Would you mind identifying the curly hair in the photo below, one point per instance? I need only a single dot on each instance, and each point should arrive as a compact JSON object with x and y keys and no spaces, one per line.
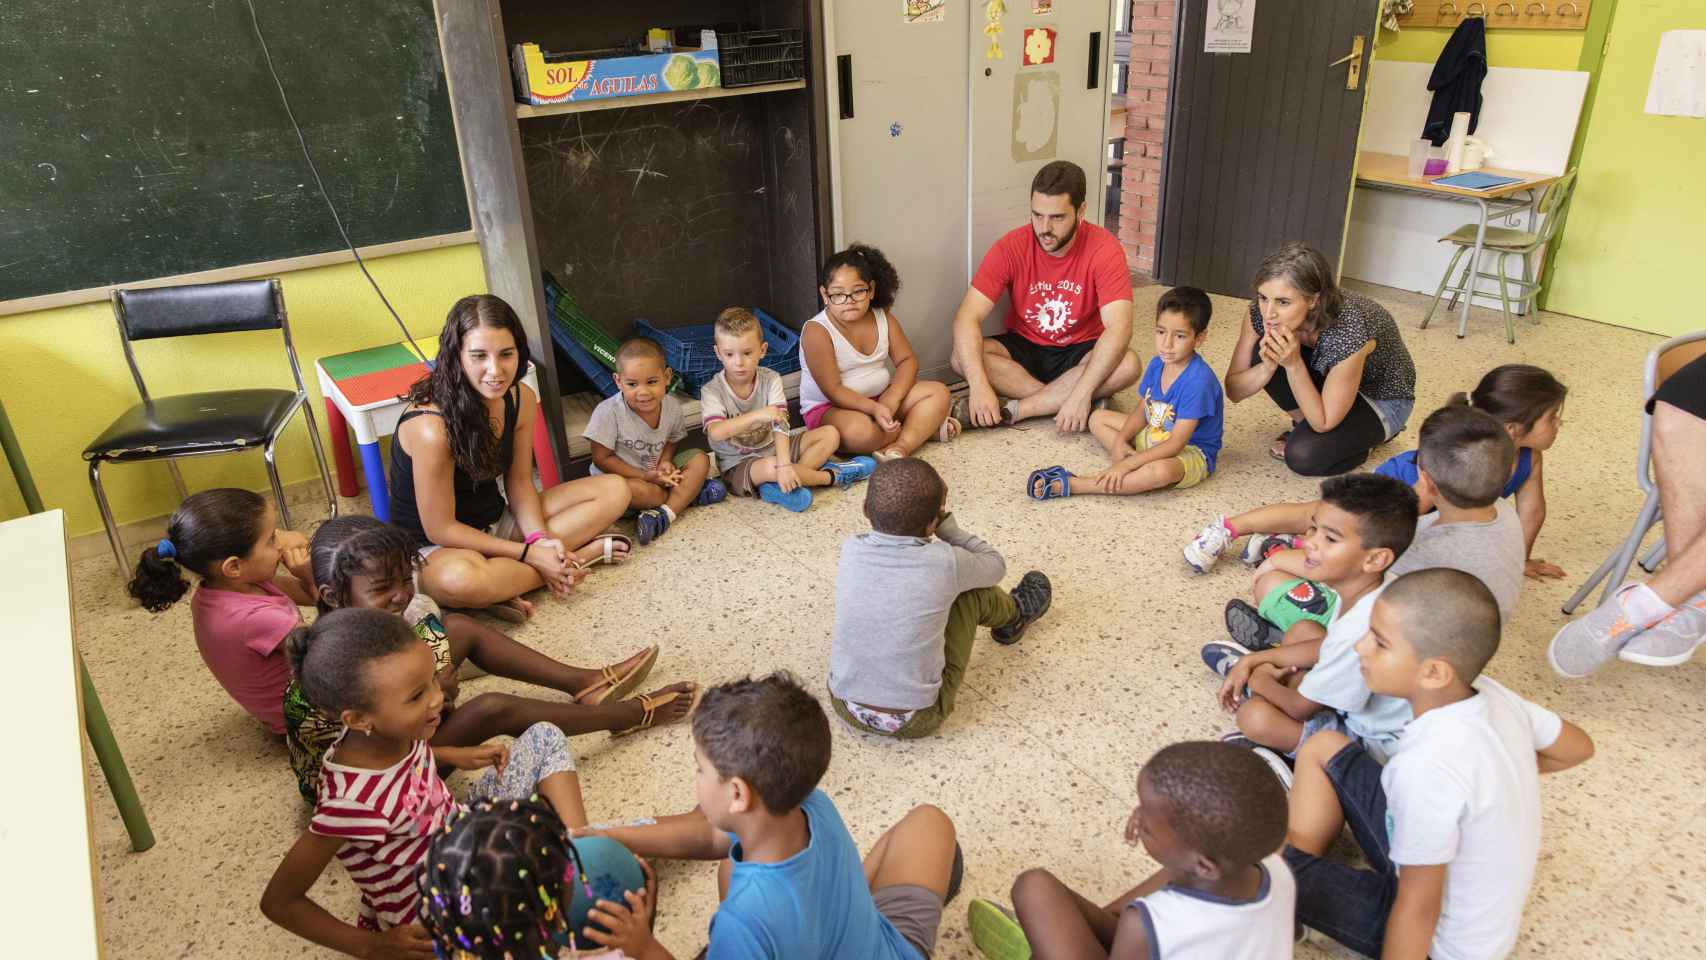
{"x":357,"y":544}
{"x":902,"y":497}
{"x":769,"y":732}
{"x":871,"y":266}
{"x":1225,"y":803}
{"x":205,"y":529}
{"x":474,"y":445}
{"x":330,"y":659}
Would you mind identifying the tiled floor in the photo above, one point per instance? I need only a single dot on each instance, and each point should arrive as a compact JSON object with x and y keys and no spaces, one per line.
{"x":1038,"y":766}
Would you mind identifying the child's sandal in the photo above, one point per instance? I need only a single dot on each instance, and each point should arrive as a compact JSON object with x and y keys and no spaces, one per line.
{"x":614,"y":686}
{"x":1041,"y":484}
{"x":650,"y":705}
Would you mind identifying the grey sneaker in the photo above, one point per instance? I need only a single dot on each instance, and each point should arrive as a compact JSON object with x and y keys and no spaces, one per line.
{"x":1585,"y":645}
{"x":1207,"y":546}
{"x":1671,"y":641}
{"x":1032,"y":596}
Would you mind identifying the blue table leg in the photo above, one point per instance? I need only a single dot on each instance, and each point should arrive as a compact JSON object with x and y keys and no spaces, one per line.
{"x":373,"y":469}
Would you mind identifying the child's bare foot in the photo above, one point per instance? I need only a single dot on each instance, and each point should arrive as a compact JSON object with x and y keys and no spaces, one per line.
{"x":671,"y":704}
{"x":618,"y":680}
{"x":891,"y":453}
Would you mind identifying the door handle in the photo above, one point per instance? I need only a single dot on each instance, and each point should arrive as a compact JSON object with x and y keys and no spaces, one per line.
{"x":1354,"y":75}
{"x":1094,"y":80}
{"x":844,"y":81}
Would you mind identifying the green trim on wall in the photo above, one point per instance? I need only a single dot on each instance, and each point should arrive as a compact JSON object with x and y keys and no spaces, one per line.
{"x":1594,"y":41}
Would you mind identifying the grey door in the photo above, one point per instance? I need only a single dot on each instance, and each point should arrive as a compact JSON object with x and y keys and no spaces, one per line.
{"x":1260,"y":147}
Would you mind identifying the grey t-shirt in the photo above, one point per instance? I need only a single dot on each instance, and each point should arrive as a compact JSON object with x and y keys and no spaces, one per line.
{"x":613,"y":424}
{"x":1493,"y":551}
{"x":718,"y":401}
{"x":892,"y":596}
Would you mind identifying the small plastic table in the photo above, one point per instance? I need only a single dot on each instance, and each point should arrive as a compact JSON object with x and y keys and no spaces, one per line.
{"x":366,"y":391}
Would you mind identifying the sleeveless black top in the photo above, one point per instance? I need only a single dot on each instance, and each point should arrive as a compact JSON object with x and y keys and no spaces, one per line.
{"x":479,"y":503}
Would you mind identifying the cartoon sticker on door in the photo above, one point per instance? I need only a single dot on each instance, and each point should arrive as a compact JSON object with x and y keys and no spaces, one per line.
{"x":1036,"y":115}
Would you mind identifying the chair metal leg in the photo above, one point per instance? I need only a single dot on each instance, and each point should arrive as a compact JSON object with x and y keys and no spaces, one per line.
{"x":1462,"y":287}
{"x":178,"y":480}
{"x":1531,"y":286}
{"x":267,"y":453}
{"x":107,"y":516}
{"x":1626,"y":556}
{"x":1655,"y":556}
{"x":1587,"y":586}
{"x":20,"y":467}
{"x":1438,"y":292}
{"x":320,"y":458}
{"x":112,"y":764}
{"x":1644,"y":521}
{"x":1505,"y":300}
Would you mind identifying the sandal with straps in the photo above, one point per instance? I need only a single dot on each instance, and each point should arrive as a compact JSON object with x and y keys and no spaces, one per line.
{"x":1049,"y":476}
{"x":610,"y":555}
{"x":614,"y":686}
{"x":650,"y":705}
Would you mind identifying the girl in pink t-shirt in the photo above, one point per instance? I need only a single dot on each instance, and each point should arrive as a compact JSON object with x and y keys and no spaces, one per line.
{"x":244,"y":606}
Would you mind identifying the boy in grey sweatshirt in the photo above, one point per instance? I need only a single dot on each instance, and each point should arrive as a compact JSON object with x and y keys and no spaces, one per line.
{"x":909,"y":597}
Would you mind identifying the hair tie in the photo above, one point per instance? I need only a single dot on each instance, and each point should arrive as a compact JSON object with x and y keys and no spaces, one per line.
{"x":165,"y":550}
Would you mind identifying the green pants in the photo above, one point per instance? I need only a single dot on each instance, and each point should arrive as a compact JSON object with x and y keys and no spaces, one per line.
{"x":984,"y":607}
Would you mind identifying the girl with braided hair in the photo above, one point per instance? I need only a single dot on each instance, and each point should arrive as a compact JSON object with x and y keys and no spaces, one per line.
{"x":360,"y":561}
{"x":381,"y":796}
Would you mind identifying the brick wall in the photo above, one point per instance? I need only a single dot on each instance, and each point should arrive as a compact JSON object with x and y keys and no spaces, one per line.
{"x":1145,"y":119}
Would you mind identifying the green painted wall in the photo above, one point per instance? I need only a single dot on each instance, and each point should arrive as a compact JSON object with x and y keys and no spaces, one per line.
{"x":1538,"y":49}
{"x":1633,"y":236}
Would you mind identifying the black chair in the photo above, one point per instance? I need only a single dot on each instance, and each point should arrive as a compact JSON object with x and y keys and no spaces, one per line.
{"x":195,"y":424}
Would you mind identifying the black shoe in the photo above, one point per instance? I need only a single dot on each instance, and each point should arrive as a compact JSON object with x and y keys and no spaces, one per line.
{"x":1249,"y":629}
{"x":956,"y":874}
{"x":1032,"y":596}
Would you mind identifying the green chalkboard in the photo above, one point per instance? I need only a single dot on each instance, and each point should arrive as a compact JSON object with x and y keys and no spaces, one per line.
{"x":146,"y":139}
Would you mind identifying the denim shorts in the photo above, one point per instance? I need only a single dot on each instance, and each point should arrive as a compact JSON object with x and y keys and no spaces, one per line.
{"x":1393,"y":414}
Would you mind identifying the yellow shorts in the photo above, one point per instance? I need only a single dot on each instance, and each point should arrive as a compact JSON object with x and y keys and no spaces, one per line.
{"x":1192,"y":459}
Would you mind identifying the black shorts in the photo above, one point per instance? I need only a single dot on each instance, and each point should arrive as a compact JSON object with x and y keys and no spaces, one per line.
{"x":1044,"y":363}
{"x":1685,"y":390}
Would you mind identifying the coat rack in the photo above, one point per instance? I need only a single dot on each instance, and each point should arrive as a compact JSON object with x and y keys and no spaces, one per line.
{"x":1501,"y":14}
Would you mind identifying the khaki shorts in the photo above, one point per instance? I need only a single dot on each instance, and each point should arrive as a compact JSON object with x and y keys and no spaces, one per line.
{"x":738,"y":478}
{"x":1191,"y":458}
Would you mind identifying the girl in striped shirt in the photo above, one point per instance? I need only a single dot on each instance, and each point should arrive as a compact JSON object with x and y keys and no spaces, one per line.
{"x":381,"y":796}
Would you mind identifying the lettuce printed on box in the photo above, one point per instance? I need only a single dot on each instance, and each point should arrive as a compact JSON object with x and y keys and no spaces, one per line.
{"x":543,"y":78}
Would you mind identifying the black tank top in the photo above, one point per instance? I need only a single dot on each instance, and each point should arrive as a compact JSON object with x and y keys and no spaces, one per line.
{"x":479,"y":503}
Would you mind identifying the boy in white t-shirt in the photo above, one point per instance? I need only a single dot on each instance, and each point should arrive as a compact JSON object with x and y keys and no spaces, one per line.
{"x":1451,"y":826}
{"x":745,"y":414}
{"x":1213,"y":818}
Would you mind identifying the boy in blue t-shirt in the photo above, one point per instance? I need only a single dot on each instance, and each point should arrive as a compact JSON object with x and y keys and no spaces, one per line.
{"x":1173,"y":437}
{"x":793,"y":884}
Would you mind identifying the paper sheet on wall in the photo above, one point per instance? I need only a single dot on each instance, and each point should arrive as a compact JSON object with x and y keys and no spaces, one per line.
{"x":1229,"y":27}
{"x":922,"y":11}
{"x":1679,"y":75}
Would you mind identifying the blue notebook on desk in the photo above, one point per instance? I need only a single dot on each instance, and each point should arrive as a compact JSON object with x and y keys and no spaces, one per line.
{"x":1475,"y":180}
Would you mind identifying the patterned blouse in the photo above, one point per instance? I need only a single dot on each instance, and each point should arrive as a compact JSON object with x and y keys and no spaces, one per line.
{"x":1388,"y":374}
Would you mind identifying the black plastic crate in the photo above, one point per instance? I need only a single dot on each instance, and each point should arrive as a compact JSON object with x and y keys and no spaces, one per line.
{"x":761,"y":56}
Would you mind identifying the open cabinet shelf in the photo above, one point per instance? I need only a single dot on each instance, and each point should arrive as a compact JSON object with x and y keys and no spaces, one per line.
{"x":524,"y":111}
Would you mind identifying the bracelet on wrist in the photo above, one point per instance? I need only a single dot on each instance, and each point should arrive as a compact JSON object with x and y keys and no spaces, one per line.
{"x":524,"y":548}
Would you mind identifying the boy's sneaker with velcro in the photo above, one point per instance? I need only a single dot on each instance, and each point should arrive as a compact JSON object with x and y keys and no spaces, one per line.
{"x":850,"y":471}
{"x":1202,"y":552}
{"x":1032,"y":596}
{"x":1261,"y":546}
{"x":712,"y":492}
{"x":1220,"y":655}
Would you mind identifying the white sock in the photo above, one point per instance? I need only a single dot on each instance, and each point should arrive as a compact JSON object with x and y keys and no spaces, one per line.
{"x":1012,"y":410}
{"x":1641,"y":605}
{"x":668,"y":514}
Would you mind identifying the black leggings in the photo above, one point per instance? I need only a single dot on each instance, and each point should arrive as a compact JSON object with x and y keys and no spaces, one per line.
{"x":1310,"y":453}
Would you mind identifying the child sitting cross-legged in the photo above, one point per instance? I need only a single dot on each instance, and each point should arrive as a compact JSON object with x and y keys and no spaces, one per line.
{"x":381,"y":796}
{"x":745,"y":414}
{"x":363,"y":562}
{"x":1214,"y":819}
{"x":1362,"y":524}
{"x":792,"y":883}
{"x":909,"y":597}
{"x":1173,"y":437}
{"x":634,"y":433}
{"x":1450,"y":827}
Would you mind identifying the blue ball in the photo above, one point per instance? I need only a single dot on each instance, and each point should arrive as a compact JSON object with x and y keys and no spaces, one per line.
{"x":610,"y":870}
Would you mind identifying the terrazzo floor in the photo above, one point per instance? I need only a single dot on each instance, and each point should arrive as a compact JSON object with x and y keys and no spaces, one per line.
{"x":1038,"y":765}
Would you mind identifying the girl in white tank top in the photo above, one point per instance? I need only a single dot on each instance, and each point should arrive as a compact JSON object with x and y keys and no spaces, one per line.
{"x":883,"y":407}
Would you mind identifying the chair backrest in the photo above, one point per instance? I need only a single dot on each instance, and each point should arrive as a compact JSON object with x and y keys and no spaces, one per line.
{"x":196,"y":309}
{"x":1553,"y":203}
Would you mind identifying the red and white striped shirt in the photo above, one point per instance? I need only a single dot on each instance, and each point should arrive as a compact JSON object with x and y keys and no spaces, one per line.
{"x":385,"y":818}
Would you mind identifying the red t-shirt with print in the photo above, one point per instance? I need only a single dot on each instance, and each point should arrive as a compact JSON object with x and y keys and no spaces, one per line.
{"x":1056,"y":301}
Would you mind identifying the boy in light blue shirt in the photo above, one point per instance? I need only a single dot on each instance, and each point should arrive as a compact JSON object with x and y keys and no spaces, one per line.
{"x":793,"y":884}
{"x":1173,"y":437}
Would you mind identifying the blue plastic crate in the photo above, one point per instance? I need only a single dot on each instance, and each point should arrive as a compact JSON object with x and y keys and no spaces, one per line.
{"x":602,"y":379}
{"x":691,"y":351}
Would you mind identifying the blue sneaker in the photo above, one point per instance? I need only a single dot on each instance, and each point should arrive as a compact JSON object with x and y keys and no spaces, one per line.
{"x":795,"y":502}
{"x":849,"y":472}
{"x":712,"y":492}
{"x":1220,"y":655}
{"x":652,"y":524}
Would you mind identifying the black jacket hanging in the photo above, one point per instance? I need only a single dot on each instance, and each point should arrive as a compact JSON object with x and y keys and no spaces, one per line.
{"x":1456,"y":80}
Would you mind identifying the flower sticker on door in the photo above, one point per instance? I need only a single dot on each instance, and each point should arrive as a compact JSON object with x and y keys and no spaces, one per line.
{"x":1039,"y":46}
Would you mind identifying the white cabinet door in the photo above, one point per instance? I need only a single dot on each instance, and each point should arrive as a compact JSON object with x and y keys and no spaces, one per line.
{"x":899,"y":162}
{"x":1024,"y":116}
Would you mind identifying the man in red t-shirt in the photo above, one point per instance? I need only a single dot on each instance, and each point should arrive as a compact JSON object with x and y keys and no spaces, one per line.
{"x":1068,"y":331}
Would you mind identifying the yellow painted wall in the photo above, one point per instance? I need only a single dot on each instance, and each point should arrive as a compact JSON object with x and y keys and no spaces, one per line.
{"x":1535,"y":49}
{"x":65,"y":378}
{"x":1632,"y":245}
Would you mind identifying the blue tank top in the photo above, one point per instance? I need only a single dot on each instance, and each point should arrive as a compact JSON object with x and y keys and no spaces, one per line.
{"x":1403,"y":467}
